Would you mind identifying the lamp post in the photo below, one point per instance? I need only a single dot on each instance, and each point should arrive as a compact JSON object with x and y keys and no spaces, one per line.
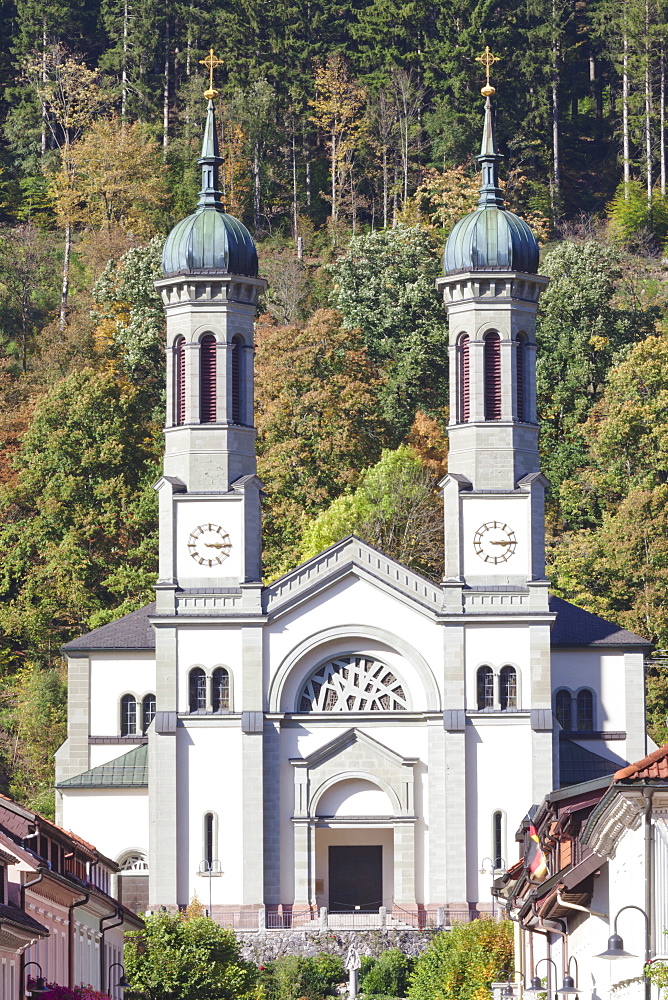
{"x":497,"y":866}
{"x":209,"y":868}
{"x":122,"y":982}
{"x":508,"y":989}
{"x":616,"y":950}
{"x":536,"y":981}
{"x":40,"y":984}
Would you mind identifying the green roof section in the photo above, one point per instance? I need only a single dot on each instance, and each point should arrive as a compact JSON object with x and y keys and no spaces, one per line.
{"x":128,"y":771}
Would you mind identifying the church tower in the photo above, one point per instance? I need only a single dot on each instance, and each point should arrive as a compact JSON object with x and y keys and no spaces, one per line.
{"x":208,"y":593}
{"x":494,"y":491}
{"x":209,"y":496}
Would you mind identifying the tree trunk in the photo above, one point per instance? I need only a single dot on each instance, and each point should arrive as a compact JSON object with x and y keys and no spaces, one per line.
{"x":385,"y":186}
{"x":334,"y":211}
{"x":662,"y":124}
{"x":64,"y":293}
{"x":556,"y":159}
{"x":257,"y":200}
{"x":165,"y":96}
{"x":295,"y":231}
{"x":124,"y":68}
{"x":43,"y":142}
{"x":648,"y":112}
{"x":626,"y":157}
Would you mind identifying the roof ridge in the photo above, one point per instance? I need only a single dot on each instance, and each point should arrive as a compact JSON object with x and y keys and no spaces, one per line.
{"x":661,"y":753}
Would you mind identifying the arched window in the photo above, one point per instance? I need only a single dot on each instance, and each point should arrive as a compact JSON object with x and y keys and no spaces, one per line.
{"x":128,"y":715}
{"x":521,"y":376}
{"x":563,"y":709}
{"x":485,"y":686}
{"x":508,"y":688}
{"x":585,"y":708}
{"x":237,"y":392}
{"x":497,"y":838}
{"x":464,"y":383}
{"x":209,"y":853}
{"x":180,"y":379}
{"x":147,"y":711}
{"x":352,"y":684}
{"x":207,"y":379}
{"x":197,"y":690}
{"x":492,"y":376}
{"x":220,"y":689}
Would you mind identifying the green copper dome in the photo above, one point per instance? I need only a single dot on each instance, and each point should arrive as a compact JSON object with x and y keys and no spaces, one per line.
{"x":210,"y":240}
{"x":491,"y":238}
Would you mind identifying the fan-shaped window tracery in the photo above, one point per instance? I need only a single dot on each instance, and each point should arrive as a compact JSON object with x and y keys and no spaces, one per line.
{"x":352,"y":684}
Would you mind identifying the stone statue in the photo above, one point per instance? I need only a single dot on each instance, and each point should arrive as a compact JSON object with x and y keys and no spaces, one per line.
{"x":352,"y":966}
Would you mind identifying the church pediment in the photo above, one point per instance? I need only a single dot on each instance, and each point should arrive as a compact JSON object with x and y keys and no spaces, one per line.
{"x":353,"y":756}
{"x":351,"y":557}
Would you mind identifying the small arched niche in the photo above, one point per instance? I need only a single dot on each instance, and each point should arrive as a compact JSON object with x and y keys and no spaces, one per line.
{"x":354,"y":797}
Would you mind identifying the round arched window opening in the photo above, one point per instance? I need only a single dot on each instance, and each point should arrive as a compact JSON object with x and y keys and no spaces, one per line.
{"x":352,"y":684}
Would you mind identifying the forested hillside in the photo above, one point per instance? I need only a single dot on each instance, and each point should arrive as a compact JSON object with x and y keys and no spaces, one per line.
{"x":349,"y":133}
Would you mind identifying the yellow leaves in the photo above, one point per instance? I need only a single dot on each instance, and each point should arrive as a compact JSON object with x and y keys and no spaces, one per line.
{"x":598,"y":343}
{"x":442,"y":198}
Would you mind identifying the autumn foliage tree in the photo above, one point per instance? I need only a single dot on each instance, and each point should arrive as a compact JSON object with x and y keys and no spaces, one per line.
{"x":462,"y":963}
{"x":318,"y":421}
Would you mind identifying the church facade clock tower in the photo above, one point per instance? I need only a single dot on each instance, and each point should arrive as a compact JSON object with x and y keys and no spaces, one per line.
{"x":352,"y":737}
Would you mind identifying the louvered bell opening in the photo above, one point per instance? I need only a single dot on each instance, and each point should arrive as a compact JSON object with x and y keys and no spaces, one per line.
{"x":520,"y":369}
{"x":236,"y":380}
{"x":180,"y":365}
{"x":464,"y":382}
{"x":492,"y":377}
{"x":207,"y":380}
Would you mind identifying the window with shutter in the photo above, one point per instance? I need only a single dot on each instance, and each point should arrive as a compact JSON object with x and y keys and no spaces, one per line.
{"x":237,"y":347}
{"x":180,"y":380}
{"x":492,"y":377}
{"x":207,"y":379}
{"x":520,"y":370}
{"x":464,"y":384}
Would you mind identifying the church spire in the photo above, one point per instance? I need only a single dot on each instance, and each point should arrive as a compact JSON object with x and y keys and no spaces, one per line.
{"x":490,"y":192}
{"x":210,"y":196}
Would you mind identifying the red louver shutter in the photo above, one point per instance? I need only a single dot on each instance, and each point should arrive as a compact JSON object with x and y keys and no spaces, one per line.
{"x":464,"y":384}
{"x":207,"y":379}
{"x":521,"y":376}
{"x":492,"y":377}
{"x":180,"y":380}
{"x":236,"y":382}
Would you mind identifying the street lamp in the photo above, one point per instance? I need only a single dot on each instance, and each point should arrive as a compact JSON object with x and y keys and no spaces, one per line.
{"x":122,"y":982}
{"x":568,"y":986}
{"x":508,"y":989}
{"x":39,"y":986}
{"x":209,"y":868}
{"x":537,"y":982}
{"x":497,"y":866}
{"x":616,"y":949}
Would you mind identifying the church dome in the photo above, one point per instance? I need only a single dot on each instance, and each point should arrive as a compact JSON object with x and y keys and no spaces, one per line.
{"x":210,"y":239}
{"x":491,"y":238}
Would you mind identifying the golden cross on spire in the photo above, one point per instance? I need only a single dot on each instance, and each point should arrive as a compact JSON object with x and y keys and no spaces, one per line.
{"x":211,"y":62}
{"x":487,"y":59}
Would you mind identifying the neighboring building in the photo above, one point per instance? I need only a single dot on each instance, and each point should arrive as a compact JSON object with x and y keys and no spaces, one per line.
{"x":353,"y":736}
{"x":56,"y":908}
{"x":605,"y":844}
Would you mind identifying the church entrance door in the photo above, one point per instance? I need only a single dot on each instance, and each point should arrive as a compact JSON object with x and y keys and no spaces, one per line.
{"x":355,"y":878}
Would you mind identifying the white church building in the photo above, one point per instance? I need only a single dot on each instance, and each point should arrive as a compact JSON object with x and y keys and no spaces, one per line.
{"x":352,"y":736}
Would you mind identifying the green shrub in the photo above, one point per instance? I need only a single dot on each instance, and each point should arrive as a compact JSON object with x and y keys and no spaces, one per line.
{"x":388,"y":975}
{"x":291,"y":977}
{"x":632,"y":221}
{"x":462,"y":963}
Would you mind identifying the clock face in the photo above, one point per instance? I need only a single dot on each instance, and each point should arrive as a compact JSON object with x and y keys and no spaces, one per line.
{"x":494,"y":542}
{"x":209,"y":544}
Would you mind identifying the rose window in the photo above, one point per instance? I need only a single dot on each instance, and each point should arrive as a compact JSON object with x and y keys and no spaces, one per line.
{"x":352,"y":684}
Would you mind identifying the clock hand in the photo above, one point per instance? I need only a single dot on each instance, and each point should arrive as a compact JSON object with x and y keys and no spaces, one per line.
{"x":215,"y":545}
{"x":493,"y":542}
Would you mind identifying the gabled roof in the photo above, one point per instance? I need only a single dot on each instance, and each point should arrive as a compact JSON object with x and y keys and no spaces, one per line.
{"x":653,"y":766}
{"x":133,"y":631}
{"x":128,"y":771}
{"x":573,"y":627}
{"x":576,"y":627}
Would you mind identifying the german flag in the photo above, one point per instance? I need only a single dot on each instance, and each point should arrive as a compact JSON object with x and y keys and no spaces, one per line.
{"x":535,"y":859}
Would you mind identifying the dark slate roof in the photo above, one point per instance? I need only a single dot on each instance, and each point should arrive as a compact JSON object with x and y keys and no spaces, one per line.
{"x":575,"y":627}
{"x":18,"y":918}
{"x":128,"y":771}
{"x":576,"y":764}
{"x":133,"y":631}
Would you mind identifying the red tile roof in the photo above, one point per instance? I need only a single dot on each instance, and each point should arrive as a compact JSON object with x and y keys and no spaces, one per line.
{"x":655,"y":765}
